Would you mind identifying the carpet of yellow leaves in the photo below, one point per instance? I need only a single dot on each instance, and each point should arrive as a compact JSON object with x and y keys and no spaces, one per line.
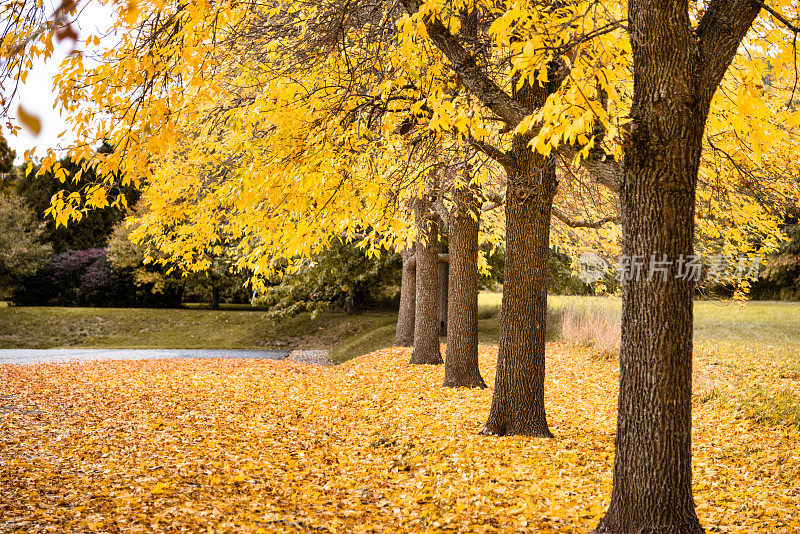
{"x":373,"y":445}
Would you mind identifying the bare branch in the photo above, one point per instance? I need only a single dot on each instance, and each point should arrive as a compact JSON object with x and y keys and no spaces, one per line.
{"x":783,"y":20}
{"x":561,"y":216}
{"x":602,"y":167}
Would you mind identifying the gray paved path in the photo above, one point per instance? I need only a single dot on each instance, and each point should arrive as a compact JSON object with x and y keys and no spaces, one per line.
{"x":30,"y":356}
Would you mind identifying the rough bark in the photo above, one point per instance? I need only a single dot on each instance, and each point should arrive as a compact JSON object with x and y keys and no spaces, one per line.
{"x":676,"y":71}
{"x":426,"y":316}
{"x":444,"y":290}
{"x":404,"y":336}
{"x":518,"y":401}
{"x":461,"y":357}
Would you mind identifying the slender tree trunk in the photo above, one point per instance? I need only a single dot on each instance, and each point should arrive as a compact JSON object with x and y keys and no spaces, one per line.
{"x":461,"y":360}
{"x":352,"y":305}
{"x":652,"y":490}
{"x":214,"y":304}
{"x":426,"y":316}
{"x":404,"y":336}
{"x":444,"y":290}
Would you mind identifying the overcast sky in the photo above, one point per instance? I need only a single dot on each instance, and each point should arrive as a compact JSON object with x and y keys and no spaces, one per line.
{"x":37,"y":94}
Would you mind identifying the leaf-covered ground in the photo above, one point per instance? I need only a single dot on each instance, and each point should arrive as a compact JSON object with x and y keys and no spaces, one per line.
{"x":374,"y":445}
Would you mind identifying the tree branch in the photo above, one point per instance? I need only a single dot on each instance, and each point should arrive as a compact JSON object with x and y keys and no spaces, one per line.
{"x":561,"y":216}
{"x":442,"y":213}
{"x":467,"y":70}
{"x":602,"y":167}
{"x":501,"y":157}
{"x":720,"y":32}
{"x":783,"y":20}
{"x":493,"y":200}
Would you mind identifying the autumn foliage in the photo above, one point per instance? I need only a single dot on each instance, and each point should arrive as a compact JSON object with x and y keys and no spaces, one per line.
{"x":374,"y":445}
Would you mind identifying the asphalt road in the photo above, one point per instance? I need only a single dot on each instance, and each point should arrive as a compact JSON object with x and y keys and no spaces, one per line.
{"x":33,"y":356}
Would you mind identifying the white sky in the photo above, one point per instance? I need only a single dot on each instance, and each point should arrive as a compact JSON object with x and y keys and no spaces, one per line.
{"x":37,"y":95}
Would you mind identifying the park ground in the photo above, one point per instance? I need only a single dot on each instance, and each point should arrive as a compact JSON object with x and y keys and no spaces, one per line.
{"x":374,"y":444}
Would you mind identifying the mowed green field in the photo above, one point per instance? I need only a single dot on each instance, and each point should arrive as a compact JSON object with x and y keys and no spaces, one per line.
{"x":768,"y":328}
{"x":773,"y":326}
{"x":232,"y":327}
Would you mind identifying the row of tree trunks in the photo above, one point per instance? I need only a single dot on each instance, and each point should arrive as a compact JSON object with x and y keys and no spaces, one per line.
{"x":426,"y":317}
{"x":404,"y":336}
{"x":678,"y":64}
{"x":452,"y":285}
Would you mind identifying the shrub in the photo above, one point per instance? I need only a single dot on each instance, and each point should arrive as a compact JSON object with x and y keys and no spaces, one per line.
{"x":340,"y":277}
{"x":77,"y":278}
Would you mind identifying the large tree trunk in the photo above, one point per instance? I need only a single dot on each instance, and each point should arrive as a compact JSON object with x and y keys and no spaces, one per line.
{"x":461,"y":359}
{"x":518,"y":401}
{"x":426,"y":316}
{"x":676,"y":72}
{"x":652,"y":490}
{"x":444,"y":290}
{"x":404,"y":336}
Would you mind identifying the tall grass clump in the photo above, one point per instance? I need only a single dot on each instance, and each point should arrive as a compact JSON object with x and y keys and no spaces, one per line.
{"x":597,"y":329}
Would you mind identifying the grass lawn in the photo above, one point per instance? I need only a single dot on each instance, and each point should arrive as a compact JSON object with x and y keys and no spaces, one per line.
{"x":772,"y":327}
{"x":234,"y":327}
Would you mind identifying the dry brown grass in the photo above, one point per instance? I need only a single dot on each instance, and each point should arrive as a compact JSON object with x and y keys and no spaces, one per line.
{"x":587,"y":327}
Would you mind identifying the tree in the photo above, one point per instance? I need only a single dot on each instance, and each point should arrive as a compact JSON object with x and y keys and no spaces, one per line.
{"x":94,"y":227}
{"x":563,"y":85}
{"x":341,"y":277}
{"x":781,"y":277}
{"x":461,"y":358}
{"x":6,"y":157}
{"x":518,"y":402}
{"x":22,"y":250}
{"x":676,"y":70}
{"x":78,"y":278}
{"x":156,"y":287}
{"x":676,"y":67}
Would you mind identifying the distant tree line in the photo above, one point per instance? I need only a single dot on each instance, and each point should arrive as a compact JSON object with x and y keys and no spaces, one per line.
{"x":92,"y":261}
